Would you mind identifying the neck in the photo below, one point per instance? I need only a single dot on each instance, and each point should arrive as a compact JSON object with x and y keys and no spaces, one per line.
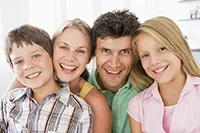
{"x":113,"y":89}
{"x":170,"y":92}
{"x":76,"y":85}
{"x":48,"y":88}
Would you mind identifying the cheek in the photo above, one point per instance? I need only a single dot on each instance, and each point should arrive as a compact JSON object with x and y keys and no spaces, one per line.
{"x":17,"y":70}
{"x":83,"y":59}
{"x":127,"y":61}
{"x":101,"y":61}
{"x":57,"y":54}
{"x":145,"y":64}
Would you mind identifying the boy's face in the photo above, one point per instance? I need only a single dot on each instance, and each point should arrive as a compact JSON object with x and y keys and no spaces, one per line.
{"x":32,"y":65}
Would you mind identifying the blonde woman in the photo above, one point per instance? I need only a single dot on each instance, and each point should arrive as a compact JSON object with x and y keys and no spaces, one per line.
{"x":164,"y":65}
{"x":72,"y":51}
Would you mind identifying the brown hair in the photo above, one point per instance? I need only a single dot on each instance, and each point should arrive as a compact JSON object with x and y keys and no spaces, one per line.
{"x":27,"y":34}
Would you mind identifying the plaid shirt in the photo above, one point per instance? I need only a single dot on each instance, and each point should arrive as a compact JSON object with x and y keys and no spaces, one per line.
{"x":60,"y":112}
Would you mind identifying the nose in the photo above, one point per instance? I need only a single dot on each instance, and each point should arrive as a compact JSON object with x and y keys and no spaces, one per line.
{"x":71,"y":56}
{"x":28,"y":64}
{"x":114,"y":61}
{"x":155,"y":60}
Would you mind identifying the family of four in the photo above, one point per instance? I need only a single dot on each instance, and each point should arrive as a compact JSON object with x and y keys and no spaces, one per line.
{"x":145,"y":78}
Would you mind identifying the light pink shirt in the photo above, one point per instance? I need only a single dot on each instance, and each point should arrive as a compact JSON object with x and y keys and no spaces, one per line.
{"x":148,"y":109}
{"x":167,"y":118}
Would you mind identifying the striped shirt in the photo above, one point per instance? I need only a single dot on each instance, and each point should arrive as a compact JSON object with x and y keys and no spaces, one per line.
{"x":60,"y":112}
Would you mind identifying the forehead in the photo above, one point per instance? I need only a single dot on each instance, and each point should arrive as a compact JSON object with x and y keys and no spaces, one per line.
{"x":146,"y":42}
{"x":24,"y":49}
{"x":114,"y":43}
{"x":73,"y":37}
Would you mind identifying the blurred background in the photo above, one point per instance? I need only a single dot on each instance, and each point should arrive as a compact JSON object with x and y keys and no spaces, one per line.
{"x":49,"y":14}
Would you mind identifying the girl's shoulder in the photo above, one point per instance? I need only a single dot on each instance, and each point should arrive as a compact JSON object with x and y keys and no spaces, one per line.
{"x":146,"y":93}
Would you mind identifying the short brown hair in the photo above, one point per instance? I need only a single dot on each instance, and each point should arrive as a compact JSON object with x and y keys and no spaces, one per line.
{"x":27,"y":34}
{"x":115,"y":24}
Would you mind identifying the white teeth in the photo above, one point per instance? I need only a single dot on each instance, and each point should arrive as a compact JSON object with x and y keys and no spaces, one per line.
{"x":113,"y":72}
{"x":68,"y":67}
{"x":159,"y":70}
{"x":33,"y":75}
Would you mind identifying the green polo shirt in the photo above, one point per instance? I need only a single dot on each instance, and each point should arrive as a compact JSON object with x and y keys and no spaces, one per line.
{"x":118,"y":104}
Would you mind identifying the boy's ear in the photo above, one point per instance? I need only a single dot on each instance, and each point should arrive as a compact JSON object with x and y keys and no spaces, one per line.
{"x":11,"y":66}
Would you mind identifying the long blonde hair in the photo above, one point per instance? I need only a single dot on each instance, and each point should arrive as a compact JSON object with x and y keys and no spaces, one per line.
{"x":83,"y":27}
{"x":167,"y":33}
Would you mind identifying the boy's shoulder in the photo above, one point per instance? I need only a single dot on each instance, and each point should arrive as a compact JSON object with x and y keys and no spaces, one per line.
{"x":69,"y":98}
{"x":14,"y":94}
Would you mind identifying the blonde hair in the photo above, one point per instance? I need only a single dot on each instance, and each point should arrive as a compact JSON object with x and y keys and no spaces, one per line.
{"x":83,"y":27}
{"x":167,"y":33}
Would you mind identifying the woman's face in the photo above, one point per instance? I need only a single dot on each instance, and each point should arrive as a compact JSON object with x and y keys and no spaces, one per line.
{"x":71,"y":54}
{"x":157,"y":61}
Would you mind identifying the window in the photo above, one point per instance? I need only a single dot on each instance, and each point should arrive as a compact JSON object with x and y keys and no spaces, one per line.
{"x":196,"y":54}
{"x":2,"y":56}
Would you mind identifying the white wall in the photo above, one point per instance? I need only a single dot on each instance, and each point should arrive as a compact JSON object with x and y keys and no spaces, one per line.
{"x":14,"y":13}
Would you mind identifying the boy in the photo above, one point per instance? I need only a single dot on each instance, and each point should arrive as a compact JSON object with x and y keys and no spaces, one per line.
{"x":42,"y":106}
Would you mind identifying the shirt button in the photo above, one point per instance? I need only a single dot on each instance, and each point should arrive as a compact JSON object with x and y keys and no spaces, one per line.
{"x":114,"y":107}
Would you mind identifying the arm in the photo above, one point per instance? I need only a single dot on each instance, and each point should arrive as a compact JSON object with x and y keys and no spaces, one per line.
{"x":3,"y":122}
{"x":101,"y":110}
{"x":15,"y":83}
{"x":134,"y":125}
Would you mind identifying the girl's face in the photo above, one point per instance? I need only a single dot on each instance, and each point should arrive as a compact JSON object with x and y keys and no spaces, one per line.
{"x":157,"y":61}
{"x":71,"y":54}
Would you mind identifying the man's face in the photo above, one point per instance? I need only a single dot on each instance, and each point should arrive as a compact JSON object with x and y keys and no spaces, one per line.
{"x":114,"y":61}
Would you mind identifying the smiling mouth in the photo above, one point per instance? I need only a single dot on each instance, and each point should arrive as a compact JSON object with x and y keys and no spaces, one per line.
{"x":31,"y":76}
{"x":113,"y":72}
{"x":68,"y":68}
{"x":160,"y":70}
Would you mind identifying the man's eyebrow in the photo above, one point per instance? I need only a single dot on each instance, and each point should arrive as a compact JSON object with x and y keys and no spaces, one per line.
{"x":103,"y":48}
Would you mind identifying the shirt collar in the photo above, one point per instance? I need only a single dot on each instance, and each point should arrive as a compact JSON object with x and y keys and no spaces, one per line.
{"x":126,"y":86}
{"x":191,"y":82}
{"x":21,"y":93}
{"x":63,"y":98}
{"x":189,"y":85}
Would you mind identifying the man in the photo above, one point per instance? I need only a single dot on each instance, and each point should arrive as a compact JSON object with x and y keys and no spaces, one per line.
{"x":112,"y":35}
